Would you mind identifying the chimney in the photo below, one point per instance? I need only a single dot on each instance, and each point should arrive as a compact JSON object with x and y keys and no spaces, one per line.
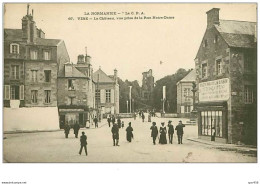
{"x":80,"y":59}
{"x":212,"y":17}
{"x":68,"y":69}
{"x":115,"y":76}
{"x":88,"y":59}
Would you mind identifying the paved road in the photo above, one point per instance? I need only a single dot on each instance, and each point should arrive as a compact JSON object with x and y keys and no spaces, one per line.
{"x":53,"y":147}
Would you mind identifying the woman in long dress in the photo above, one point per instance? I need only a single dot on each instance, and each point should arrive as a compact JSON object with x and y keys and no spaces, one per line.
{"x":163,"y":133}
{"x":129,"y":133}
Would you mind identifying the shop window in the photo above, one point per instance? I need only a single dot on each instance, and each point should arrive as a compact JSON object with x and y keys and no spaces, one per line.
{"x":204,"y":70}
{"x":34,"y":96}
{"x":108,"y":96}
{"x":248,"y":94}
{"x":15,"y":71}
{"x":211,"y":121}
{"x":34,"y":75}
{"x":47,"y":75}
{"x":47,"y":96}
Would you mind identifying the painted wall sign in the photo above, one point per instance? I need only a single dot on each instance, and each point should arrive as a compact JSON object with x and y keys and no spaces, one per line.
{"x":217,"y":90}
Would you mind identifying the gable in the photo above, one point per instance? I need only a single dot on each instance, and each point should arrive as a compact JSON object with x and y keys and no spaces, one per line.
{"x":100,"y":76}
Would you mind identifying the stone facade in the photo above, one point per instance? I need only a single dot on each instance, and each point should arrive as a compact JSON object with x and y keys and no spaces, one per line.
{"x":147,"y":84}
{"x":227,"y":53}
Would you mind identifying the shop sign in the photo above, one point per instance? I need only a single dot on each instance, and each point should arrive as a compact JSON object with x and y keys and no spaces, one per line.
{"x":217,"y":90}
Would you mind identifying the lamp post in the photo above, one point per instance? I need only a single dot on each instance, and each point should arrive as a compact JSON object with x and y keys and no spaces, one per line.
{"x":130,"y":98}
{"x":194,"y":91}
{"x":133,"y":105}
{"x":126,"y":106}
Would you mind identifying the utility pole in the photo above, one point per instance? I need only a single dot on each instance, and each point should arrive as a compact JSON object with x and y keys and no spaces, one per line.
{"x":130,"y":98}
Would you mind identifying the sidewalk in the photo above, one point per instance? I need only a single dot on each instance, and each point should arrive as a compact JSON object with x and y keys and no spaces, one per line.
{"x":249,"y":149}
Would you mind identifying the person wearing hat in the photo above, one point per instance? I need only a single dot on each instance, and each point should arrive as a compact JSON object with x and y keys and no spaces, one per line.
{"x":179,"y":129}
{"x":163,"y":133}
{"x":170,"y":131}
{"x":129,"y":133}
{"x":83,"y":143}
{"x":154,"y":132}
{"x":115,"y":134}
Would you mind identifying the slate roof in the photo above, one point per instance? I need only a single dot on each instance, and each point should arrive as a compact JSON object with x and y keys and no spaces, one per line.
{"x":190,"y":77}
{"x":75,"y":73}
{"x":103,"y":78}
{"x":237,"y":33}
{"x":16,"y":35}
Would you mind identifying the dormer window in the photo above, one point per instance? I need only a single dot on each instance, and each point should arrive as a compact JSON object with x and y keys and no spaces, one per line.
{"x":14,"y":48}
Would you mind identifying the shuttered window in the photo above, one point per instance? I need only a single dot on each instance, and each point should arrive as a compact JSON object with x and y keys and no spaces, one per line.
{"x":7,"y":92}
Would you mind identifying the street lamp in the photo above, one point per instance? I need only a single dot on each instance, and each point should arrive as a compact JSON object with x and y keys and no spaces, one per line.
{"x":126,"y":106}
{"x":194,"y":91}
{"x":130,"y":97}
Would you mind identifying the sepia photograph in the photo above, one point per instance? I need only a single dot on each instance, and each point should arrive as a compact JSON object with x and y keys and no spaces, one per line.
{"x":129,"y":83}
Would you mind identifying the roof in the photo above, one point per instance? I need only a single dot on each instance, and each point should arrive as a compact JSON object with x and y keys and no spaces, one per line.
{"x":13,"y":34}
{"x":237,"y":33}
{"x":190,"y":77}
{"x":103,"y":78}
{"x":75,"y":72}
{"x":17,"y":34}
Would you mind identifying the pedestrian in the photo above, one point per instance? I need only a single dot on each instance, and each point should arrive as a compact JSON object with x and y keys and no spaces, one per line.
{"x":76,"y":128}
{"x":83,"y":143}
{"x":170,"y":131}
{"x":179,"y":129}
{"x":115,"y":134}
{"x":143,"y":116}
{"x":119,"y":122}
{"x":123,"y":124}
{"x":213,"y":135}
{"x":129,"y":133}
{"x":113,"y":119}
{"x":109,"y":120}
{"x":66,"y":130}
{"x":163,"y":133}
{"x":154,"y":132}
{"x":134,"y":116}
{"x":96,"y":122}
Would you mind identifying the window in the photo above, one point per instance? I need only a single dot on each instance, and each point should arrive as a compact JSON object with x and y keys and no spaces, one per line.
{"x":47,"y":75}
{"x":71,"y":85}
{"x":34,"y":96}
{"x":6,"y":92}
{"x":15,"y":92}
{"x":47,"y":94}
{"x":218,"y":67}
{"x":205,"y":44}
{"x":204,"y":70}
{"x":211,"y":121}
{"x":248,"y":61}
{"x":108,"y":96}
{"x":14,"y":48}
{"x":248,"y":94}
{"x":216,"y":39}
{"x":34,"y":54}
{"x":34,"y":75}
{"x":187,"y":109}
{"x":15,"y":71}
{"x":97,"y":95}
{"x":187,"y":94}
{"x":47,"y":55}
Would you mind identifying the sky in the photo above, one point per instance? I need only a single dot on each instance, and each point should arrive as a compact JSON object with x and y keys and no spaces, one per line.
{"x":130,"y":46}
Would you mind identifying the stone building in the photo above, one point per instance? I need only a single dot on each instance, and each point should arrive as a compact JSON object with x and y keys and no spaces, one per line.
{"x":31,"y":66}
{"x":226,"y":75}
{"x":185,"y":95}
{"x":107,"y":93}
{"x":76,"y":90}
{"x":147,"y":84}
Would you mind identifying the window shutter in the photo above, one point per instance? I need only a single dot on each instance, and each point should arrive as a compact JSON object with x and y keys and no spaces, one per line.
{"x":102,"y":96}
{"x":112,"y":96}
{"x":10,"y":48}
{"x":7,"y":92}
{"x":22,"y":92}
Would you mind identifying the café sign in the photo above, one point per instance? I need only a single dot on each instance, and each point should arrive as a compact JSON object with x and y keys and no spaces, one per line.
{"x":216,"y":90}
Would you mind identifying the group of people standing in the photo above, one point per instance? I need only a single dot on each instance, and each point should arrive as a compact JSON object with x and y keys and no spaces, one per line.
{"x":115,"y":133}
{"x":163,"y":132}
{"x":67,"y":128}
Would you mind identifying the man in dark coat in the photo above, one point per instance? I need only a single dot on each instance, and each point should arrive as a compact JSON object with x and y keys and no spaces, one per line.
{"x":76,"y":128}
{"x":115,"y":134}
{"x":113,"y":119}
{"x":109,"y":120}
{"x":96,"y":122}
{"x":66,"y":130}
{"x":154,"y":132}
{"x":119,"y":122}
{"x":179,"y":129}
{"x":83,"y":143}
{"x":129,"y":133}
{"x":143,"y":117}
{"x":170,"y":131}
